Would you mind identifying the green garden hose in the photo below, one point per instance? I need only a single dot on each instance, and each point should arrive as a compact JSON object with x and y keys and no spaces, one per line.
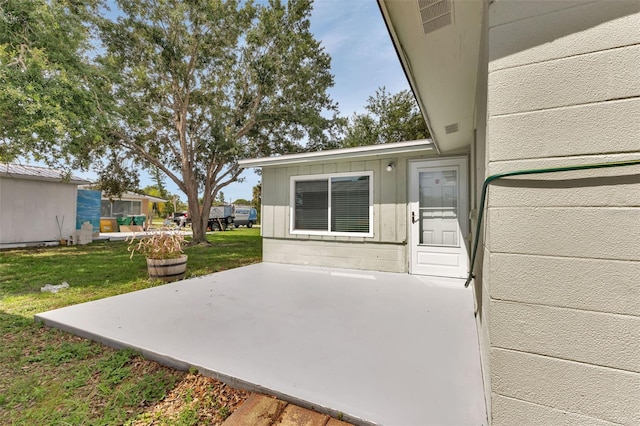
{"x":491,"y":178}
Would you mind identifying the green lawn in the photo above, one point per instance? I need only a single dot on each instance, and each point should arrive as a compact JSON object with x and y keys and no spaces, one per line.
{"x":51,"y":377}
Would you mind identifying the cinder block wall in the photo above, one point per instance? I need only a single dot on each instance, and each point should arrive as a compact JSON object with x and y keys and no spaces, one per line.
{"x":562,"y":252}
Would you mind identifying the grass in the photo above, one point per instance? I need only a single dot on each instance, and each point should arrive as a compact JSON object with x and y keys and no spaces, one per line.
{"x":51,"y":377}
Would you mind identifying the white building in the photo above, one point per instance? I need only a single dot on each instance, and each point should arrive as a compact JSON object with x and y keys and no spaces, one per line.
{"x":37,"y":204}
{"x":505,"y":87}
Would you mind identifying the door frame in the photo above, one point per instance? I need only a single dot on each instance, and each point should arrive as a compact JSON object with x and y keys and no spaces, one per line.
{"x":463,"y":208}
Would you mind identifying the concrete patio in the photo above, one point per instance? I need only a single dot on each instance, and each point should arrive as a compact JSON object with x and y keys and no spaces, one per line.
{"x":382,"y":348}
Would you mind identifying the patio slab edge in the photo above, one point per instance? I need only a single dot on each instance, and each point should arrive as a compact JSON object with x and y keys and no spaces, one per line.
{"x":181,"y":365}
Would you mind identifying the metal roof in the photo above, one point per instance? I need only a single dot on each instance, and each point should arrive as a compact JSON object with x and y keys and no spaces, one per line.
{"x":133,"y":196}
{"x":341,"y":154}
{"x":125,"y":196}
{"x":19,"y":171}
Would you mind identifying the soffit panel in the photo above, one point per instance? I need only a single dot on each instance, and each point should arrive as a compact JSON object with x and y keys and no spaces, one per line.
{"x":442,"y":65}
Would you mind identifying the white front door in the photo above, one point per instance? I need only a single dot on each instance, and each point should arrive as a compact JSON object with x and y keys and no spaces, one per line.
{"x":438,"y":217}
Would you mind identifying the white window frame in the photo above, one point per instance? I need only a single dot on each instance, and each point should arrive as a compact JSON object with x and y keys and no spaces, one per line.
{"x":328,"y":176}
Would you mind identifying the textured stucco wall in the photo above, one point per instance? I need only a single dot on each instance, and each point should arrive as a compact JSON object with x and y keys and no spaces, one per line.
{"x":562,"y":252}
{"x":28,"y":210}
{"x":478,"y":168}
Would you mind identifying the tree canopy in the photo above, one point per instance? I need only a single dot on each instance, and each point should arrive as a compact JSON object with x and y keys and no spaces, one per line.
{"x":199,"y":84}
{"x":182,"y":89}
{"x":51,"y":102}
{"x":389,"y":118}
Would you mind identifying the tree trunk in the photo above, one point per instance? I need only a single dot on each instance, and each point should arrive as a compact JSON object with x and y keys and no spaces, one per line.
{"x":199,"y":228}
{"x":197,"y":217}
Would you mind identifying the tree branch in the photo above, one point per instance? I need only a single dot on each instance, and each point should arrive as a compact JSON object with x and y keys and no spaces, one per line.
{"x":125,"y":142}
{"x":251,"y":120}
{"x":232,"y":179}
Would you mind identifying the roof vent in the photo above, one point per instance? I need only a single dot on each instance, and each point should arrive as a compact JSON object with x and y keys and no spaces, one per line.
{"x":451,"y":128}
{"x":435,"y":14}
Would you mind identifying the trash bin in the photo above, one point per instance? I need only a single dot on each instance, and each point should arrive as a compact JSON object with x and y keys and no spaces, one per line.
{"x":139,"y":220}
{"x":105,"y":225}
{"x":123,"y":221}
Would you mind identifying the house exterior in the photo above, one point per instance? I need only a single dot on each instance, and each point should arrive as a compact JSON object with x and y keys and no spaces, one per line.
{"x":505,"y":87}
{"x":347,"y":208}
{"x":37,"y":204}
{"x":129,"y":204}
{"x":532,"y":85}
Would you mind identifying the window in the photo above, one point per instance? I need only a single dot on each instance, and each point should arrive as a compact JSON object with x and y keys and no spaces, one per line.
{"x":120,"y":208}
{"x":105,"y":208}
{"x":339,"y":204}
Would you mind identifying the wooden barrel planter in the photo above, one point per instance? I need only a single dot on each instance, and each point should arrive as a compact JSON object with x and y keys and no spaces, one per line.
{"x":167,"y":270}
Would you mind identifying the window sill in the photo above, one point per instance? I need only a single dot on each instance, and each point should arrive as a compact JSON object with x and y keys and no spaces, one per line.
{"x":333,"y":234}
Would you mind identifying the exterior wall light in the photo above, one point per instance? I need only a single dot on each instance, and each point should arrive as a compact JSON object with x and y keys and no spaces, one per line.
{"x":391,"y":166}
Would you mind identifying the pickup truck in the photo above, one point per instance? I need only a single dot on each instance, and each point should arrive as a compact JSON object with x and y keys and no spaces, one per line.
{"x":181,"y":218}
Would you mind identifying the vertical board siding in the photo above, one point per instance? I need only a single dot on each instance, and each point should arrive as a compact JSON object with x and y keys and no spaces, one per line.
{"x":329,"y":168}
{"x":389,"y":202}
{"x":377,"y":184}
{"x":402,"y":194}
{"x":342,"y":167}
{"x":269,"y":189}
{"x":387,"y":225}
{"x":280,"y":209}
{"x":389,"y":218}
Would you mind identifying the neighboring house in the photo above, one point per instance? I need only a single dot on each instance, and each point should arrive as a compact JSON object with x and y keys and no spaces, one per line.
{"x":129,"y":204}
{"x":504,"y":86}
{"x":347,"y":208}
{"x":37,"y":204}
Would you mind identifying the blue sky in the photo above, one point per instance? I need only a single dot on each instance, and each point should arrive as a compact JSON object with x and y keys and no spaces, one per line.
{"x":363,"y":59}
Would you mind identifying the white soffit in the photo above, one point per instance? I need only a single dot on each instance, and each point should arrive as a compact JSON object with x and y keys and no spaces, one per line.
{"x":441,"y":64}
{"x":342,"y":154}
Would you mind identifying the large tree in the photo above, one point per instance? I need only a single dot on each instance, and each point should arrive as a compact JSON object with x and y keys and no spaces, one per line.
{"x":51,"y":97}
{"x":201,"y":83}
{"x":389,"y":118}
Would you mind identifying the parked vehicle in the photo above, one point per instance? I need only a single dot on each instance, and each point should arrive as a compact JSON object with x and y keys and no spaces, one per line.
{"x":221,"y":217}
{"x":181,"y":218}
{"x":245,"y":216}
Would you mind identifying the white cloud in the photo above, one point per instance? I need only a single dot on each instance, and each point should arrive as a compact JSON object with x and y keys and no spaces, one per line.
{"x":334,"y":42}
{"x":363,"y":58}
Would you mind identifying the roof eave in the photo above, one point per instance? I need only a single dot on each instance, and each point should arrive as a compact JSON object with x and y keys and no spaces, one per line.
{"x":406,"y":69}
{"x":341,"y":154}
{"x":132,"y":196}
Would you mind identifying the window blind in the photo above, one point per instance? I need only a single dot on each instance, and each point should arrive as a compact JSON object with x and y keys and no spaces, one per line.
{"x":350,"y":204}
{"x":312,"y":205}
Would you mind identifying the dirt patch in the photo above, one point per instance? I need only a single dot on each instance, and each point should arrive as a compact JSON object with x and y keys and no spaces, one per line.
{"x":201,"y":400}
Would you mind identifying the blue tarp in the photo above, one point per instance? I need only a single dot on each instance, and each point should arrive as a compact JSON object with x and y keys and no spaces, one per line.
{"x":88,"y":208}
